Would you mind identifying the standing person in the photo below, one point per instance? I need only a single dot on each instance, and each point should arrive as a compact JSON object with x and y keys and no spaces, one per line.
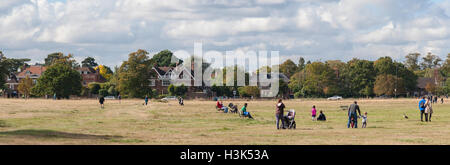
{"x":180,"y":101}
{"x":101,"y":100}
{"x":352,"y":115}
{"x":120,"y":98}
{"x":442,"y":100}
{"x":146,"y":100}
{"x":428,"y":110}
{"x":422,"y":108}
{"x":279,"y":114}
{"x":313,"y":113}
{"x":364,"y":120}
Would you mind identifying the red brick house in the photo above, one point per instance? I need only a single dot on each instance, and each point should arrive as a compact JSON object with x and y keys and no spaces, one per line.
{"x":13,"y":80}
{"x":164,"y":76}
{"x":90,"y":75}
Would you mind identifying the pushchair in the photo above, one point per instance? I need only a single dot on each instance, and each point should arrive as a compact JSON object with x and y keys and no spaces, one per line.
{"x":289,"y":120}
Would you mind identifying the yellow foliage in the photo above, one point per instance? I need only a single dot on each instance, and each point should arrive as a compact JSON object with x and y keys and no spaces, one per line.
{"x":103,"y":71}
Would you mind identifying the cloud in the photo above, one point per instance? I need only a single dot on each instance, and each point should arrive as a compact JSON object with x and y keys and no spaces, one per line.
{"x":315,"y":29}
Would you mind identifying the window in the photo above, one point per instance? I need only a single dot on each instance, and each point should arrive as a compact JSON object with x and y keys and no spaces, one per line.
{"x":166,"y":82}
{"x":152,"y":83}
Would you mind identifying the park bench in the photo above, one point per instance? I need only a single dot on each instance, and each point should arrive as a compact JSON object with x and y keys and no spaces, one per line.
{"x":343,"y":107}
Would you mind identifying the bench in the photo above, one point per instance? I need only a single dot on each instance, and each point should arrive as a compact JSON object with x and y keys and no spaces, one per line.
{"x":344,"y":107}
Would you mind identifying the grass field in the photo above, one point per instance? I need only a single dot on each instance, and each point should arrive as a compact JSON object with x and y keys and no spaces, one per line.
{"x":129,"y":122}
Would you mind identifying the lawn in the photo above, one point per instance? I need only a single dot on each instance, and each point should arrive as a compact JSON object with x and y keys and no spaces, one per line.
{"x":38,"y":121}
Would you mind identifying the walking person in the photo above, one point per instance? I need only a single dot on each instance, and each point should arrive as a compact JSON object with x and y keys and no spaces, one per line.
{"x":279,"y":114}
{"x":352,"y":115}
{"x":146,"y":100}
{"x":101,"y":100}
{"x":428,"y":110}
{"x":422,"y":108}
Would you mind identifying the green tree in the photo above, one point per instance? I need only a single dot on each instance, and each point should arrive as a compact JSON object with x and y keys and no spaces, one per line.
{"x":320,"y":80}
{"x":446,"y":88}
{"x":384,"y":65}
{"x":359,"y":75}
{"x":385,"y":84}
{"x":288,"y":68}
{"x":134,"y":75}
{"x":301,"y":64}
{"x":248,"y":91}
{"x":412,"y":61}
{"x":94,"y":88}
{"x":61,"y":59}
{"x":164,"y":58}
{"x":89,"y":62}
{"x":25,"y":86}
{"x":430,"y":61}
{"x":59,"y":79}
{"x":171,"y":90}
{"x":181,"y":90}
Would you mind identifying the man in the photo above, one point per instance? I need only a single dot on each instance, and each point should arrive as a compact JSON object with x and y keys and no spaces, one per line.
{"x":146,"y":100}
{"x":279,"y":114}
{"x":422,"y":108}
{"x":353,"y":115}
{"x":101,"y":100}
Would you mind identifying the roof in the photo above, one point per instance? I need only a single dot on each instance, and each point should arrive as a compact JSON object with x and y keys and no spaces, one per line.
{"x":162,"y":70}
{"x":423,"y":81}
{"x":91,"y":70}
{"x":32,"y":70}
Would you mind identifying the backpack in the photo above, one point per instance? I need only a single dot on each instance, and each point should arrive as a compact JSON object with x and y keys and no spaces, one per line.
{"x":422,"y":104}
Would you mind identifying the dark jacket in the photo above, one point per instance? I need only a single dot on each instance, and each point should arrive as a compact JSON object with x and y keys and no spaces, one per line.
{"x":353,"y":108}
{"x":280,"y":108}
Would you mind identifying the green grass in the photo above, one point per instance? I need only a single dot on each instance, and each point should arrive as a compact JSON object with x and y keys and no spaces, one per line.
{"x":37,"y":121}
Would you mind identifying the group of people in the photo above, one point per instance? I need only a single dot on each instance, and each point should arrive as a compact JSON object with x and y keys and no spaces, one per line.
{"x":281,"y":118}
{"x":353,"y":112}
{"x":426,"y":108}
{"x":234,"y":109}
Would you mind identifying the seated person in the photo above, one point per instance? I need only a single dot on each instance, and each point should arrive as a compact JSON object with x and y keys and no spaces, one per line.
{"x":233,"y":108}
{"x":245,"y":113}
{"x":221,"y":107}
{"x":321,"y":117}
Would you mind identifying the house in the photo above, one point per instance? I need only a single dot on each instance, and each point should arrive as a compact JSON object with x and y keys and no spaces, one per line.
{"x":90,"y":75}
{"x":422,"y":82}
{"x":13,"y":80}
{"x":163,"y":77}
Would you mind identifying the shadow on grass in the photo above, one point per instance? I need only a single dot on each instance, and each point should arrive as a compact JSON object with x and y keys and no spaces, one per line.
{"x":54,"y":134}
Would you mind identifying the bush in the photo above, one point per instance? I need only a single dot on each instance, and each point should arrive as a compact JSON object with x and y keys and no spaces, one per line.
{"x":103,"y":92}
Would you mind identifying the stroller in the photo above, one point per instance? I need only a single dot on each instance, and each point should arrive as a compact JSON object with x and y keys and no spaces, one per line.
{"x":289,"y":120}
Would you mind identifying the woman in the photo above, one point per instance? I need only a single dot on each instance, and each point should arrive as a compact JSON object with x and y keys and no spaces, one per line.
{"x":279,"y":114}
{"x":428,"y":109}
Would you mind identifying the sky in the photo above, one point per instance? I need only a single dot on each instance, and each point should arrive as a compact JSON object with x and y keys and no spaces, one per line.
{"x":109,"y":30}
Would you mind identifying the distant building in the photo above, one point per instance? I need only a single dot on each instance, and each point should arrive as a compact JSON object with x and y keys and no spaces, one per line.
{"x":421,"y":85}
{"x":90,"y":75}
{"x":13,"y":80}
{"x":164,"y":76}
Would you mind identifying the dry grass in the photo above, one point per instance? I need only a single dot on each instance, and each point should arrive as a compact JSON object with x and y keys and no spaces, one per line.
{"x":83,"y":122}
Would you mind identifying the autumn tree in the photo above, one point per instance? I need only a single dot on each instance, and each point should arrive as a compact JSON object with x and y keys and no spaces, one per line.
{"x":25,"y":86}
{"x":134,"y":75}
{"x":389,"y":85}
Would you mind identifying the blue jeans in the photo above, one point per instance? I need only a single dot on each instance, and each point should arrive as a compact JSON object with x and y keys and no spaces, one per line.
{"x":355,"y":120}
{"x":278,"y":118}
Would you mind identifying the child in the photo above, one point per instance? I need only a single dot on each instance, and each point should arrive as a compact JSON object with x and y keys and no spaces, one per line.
{"x":321,"y":117}
{"x":314,"y":111}
{"x":352,"y":122}
{"x":364,"y":120}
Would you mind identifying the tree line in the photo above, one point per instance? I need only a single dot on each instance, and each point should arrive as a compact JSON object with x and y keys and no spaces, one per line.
{"x":354,"y":78}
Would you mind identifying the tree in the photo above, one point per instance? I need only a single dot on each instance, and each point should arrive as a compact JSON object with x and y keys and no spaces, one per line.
{"x":89,"y":62}
{"x":164,"y":58}
{"x":385,"y":84}
{"x":171,"y":90}
{"x":248,"y":91}
{"x":430,"y":88}
{"x":430,"y":61}
{"x":181,"y":90}
{"x":61,"y":59}
{"x":301,"y":64}
{"x":446,"y":67}
{"x":384,"y":65}
{"x":94,"y":88}
{"x":359,"y":75}
{"x":105,"y":71}
{"x":288,"y":68}
{"x":135,"y":74}
{"x":446,"y":88}
{"x":59,"y":79}
{"x":319,"y":76}
{"x":412,"y":61}
{"x":25,"y":86}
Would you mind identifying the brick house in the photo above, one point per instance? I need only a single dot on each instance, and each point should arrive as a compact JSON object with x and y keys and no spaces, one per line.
{"x":90,"y":75}
{"x":162,"y":78}
{"x":13,"y":80}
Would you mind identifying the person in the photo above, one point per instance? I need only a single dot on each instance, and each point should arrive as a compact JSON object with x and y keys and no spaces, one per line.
{"x":313,"y":113}
{"x":233,"y":108}
{"x":428,"y":110}
{"x":364,"y":120}
{"x":422,"y":108}
{"x":101,"y":100}
{"x":224,"y":108}
{"x":321,"y":117}
{"x":435,"y":99}
{"x":120,"y":98}
{"x":279,"y":114}
{"x":442,"y":100}
{"x":146,"y":100}
{"x":352,"y":115}
{"x":244,"y":111}
{"x":180,"y":101}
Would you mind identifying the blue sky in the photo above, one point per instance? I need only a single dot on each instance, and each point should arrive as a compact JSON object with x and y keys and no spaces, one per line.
{"x":314,"y":29}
